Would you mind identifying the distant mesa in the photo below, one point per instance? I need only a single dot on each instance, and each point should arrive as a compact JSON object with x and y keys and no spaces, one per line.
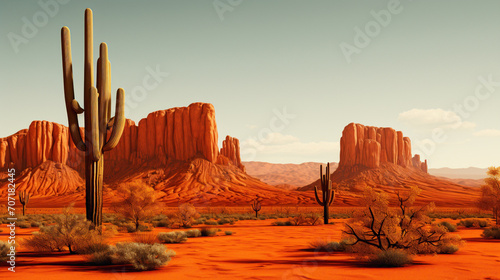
{"x":381,"y":158}
{"x":369,"y":147}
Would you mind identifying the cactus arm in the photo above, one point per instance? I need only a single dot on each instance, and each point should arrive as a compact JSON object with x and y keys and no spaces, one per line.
{"x":76,"y":107}
{"x":104,"y":89}
{"x":69,"y":93}
{"x":332,"y":198}
{"x":119,"y":121}
{"x":94,"y":116}
{"x":89,"y":53}
{"x":316,"y":195}
{"x":110,"y":123}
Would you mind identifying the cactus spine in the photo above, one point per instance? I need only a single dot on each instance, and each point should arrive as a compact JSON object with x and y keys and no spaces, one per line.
{"x":24,"y":198}
{"x":328,"y":194}
{"x":256,"y":206}
{"x":97,"y":108}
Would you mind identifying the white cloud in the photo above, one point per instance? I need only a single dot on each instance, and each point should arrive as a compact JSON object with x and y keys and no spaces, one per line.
{"x":434,"y":118}
{"x":487,"y":133}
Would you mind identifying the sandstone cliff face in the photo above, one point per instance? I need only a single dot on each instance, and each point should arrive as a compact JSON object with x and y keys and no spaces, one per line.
{"x":230,"y":152}
{"x":371,"y":146}
{"x":178,"y":134}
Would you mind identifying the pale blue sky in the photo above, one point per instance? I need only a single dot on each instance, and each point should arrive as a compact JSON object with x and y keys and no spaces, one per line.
{"x":258,"y":57}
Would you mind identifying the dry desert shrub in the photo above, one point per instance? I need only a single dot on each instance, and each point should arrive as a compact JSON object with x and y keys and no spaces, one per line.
{"x":172,"y":237}
{"x":193,"y":233}
{"x":4,"y":250}
{"x":209,"y":231}
{"x":493,"y":232}
{"x":450,"y":227}
{"x":141,"y":256}
{"x":468,"y":223}
{"x":490,"y":193}
{"x":136,"y":202}
{"x":70,"y":231}
{"x":327,"y":246}
{"x":186,"y":215}
{"x":387,"y":236}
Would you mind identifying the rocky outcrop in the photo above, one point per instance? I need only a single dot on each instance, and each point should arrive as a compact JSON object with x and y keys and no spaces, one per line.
{"x":230,"y":153}
{"x":370,"y":147}
{"x":178,"y":134}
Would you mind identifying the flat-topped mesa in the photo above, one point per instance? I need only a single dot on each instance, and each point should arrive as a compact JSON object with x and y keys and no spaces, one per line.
{"x":230,"y":153}
{"x":371,"y":146}
{"x":175,"y":134}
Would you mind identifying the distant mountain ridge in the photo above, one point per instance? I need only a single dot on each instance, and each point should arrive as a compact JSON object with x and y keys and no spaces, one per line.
{"x":459,"y":173}
{"x":291,"y":175}
{"x":285,"y":175}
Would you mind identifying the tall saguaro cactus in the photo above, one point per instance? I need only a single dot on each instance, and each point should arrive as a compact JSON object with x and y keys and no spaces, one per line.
{"x":328,"y":194}
{"x":97,"y":108}
{"x":24,"y":198}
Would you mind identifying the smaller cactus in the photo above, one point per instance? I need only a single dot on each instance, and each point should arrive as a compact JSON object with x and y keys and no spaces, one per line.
{"x":24,"y":198}
{"x":328,"y":194}
{"x":256,"y":206}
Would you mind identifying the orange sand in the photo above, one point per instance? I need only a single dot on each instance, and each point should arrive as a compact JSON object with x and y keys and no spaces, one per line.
{"x":257,"y":250}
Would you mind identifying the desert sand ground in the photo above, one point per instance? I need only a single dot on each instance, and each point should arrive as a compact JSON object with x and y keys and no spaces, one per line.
{"x":258,"y":250}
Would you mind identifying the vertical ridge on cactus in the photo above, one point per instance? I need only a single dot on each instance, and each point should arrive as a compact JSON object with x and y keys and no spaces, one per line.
{"x":256,"y":206}
{"x":97,"y":109}
{"x":328,"y":194}
{"x":24,"y":198}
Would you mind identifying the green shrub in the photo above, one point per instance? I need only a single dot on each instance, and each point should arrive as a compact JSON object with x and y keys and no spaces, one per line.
{"x":391,"y":258}
{"x":493,"y":232}
{"x":448,"y":249}
{"x":209,"y":231}
{"x":228,"y":232}
{"x":450,"y":227}
{"x":143,"y":256}
{"x":193,"y":233}
{"x":172,"y":237}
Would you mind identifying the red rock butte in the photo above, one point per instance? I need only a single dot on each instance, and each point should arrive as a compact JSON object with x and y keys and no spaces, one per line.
{"x":371,"y":146}
{"x":179,"y":134}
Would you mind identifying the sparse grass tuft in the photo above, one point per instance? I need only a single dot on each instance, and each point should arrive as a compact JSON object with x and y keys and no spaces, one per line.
{"x":391,"y":258}
{"x":325,"y":246}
